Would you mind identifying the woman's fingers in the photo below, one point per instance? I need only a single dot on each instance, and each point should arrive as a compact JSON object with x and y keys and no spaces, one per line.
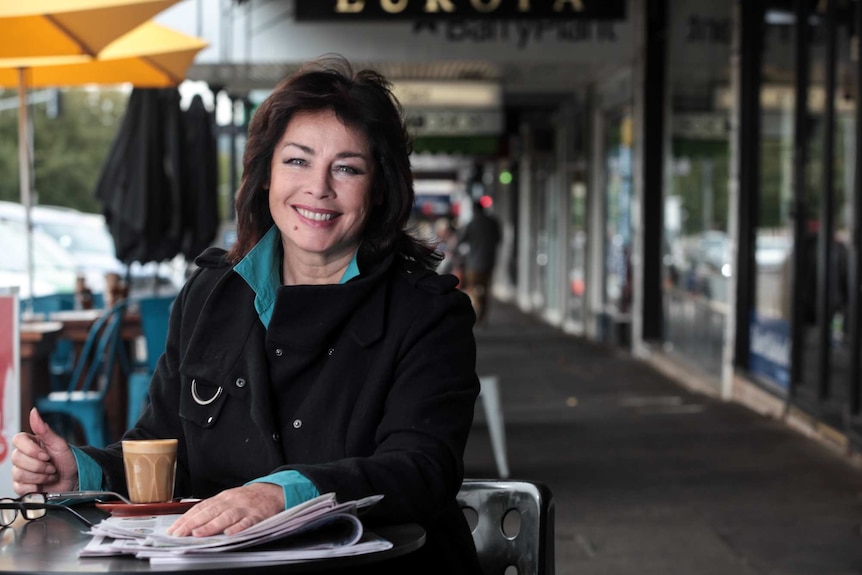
{"x":216,"y":519}
{"x":29,"y":456}
{"x":28,"y":445}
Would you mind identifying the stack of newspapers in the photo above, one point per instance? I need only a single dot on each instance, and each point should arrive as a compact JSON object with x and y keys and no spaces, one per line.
{"x":316,"y":529}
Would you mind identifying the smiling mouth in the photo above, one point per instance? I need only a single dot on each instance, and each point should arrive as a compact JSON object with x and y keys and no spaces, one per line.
{"x":315,"y":216}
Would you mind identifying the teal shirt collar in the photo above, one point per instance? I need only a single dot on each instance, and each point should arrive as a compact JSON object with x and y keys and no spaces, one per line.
{"x":261,"y":270}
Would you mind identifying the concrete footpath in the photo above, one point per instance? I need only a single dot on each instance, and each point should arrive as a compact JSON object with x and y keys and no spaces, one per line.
{"x":652,"y":479}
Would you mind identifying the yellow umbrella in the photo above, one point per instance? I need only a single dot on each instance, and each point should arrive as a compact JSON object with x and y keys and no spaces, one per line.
{"x":150,"y":56}
{"x":34,"y":29}
{"x":38,"y":32}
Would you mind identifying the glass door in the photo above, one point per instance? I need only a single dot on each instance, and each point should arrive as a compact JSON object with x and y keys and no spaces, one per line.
{"x":617,"y":197}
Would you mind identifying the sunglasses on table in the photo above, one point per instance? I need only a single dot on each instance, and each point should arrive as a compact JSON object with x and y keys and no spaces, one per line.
{"x":36,"y":505}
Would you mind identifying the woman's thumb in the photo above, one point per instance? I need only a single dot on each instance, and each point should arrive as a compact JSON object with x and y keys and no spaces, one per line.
{"x":47,"y":437}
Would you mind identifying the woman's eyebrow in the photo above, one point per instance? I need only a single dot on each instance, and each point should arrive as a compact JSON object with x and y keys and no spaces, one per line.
{"x":302,"y":147}
{"x":309,"y":150}
{"x":359,"y":155}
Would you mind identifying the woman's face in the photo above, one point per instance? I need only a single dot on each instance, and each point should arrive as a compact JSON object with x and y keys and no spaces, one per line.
{"x":320,"y":187}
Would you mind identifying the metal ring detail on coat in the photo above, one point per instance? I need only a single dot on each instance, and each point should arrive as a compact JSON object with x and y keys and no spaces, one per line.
{"x":198,"y":399}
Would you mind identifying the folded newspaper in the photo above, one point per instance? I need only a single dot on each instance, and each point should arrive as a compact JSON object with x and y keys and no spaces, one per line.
{"x":318,"y":528}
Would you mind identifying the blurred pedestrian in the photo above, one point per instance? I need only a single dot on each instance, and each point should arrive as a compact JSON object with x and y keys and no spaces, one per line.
{"x":478,"y":244}
{"x":447,"y":241}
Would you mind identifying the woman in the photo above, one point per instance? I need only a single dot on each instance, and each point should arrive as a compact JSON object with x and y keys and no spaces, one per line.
{"x":320,"y":354}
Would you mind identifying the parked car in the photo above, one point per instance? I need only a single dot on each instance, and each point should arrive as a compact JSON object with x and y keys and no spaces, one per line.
{"x":89,"y":245}
{"x":54,"y":271}
{"x":701,"y":264}
{"x":771,"y":251}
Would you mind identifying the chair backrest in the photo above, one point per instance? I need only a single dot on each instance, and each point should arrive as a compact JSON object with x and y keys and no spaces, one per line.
{"x":95,"y":363}
{"x":155,"y":314}
{"x":512,"y":523}
{"x":50,"y":303}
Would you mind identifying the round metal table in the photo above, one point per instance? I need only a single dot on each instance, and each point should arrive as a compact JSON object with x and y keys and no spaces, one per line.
{"x":51,"y":545}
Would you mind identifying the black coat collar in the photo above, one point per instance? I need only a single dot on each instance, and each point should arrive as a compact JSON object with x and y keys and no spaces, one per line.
{"x":305,"y":317}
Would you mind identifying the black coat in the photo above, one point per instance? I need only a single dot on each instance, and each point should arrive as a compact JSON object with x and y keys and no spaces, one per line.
{"x":366,"y":387}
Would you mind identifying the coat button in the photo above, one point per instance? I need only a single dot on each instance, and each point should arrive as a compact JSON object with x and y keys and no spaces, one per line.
{"x":331,"y":350}
{"x":297,"y":423}
{"x":275,"y":437}
{"x":240,"y":382}
{"x":279,"y":352}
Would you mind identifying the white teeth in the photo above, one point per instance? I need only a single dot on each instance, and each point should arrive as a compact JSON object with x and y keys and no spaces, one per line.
{"x":316,"y":216}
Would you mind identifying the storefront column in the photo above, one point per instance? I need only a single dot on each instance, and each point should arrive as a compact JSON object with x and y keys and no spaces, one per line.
{"x":526,"y":253}
{"x":595,"y":273}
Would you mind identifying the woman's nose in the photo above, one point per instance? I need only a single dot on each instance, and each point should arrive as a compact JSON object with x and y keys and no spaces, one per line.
{"x":320,"y":184}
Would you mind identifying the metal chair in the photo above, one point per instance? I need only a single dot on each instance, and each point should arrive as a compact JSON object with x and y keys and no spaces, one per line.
{"x":512,"y":523}
{"x":50,"y":303}
{"x":155,"y":314}
{"x":84,"y":398}
{"x":489,"y":395}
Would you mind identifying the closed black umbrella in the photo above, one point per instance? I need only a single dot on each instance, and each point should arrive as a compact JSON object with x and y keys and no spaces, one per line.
{"x":141,"y":183}
{"x":200,"y":190}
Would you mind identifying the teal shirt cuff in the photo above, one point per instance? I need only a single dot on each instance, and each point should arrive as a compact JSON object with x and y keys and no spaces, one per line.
{"x":297,"y":488}
{"x":89,"y":472}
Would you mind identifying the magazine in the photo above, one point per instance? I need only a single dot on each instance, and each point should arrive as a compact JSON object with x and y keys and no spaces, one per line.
{"x":320,"y":527}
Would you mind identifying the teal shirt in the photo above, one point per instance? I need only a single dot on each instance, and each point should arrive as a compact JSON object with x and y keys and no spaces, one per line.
{"x":261,"y":270}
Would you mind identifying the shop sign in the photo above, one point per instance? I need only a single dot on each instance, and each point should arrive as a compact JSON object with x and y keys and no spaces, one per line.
{"x":455,"y":94}
{"x":769,"y":350}
{"x":441,"y":122}
{"x":367,"y":10}
{"x":703,"y":126}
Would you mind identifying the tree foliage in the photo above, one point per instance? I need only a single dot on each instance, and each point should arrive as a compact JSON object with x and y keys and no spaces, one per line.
{"x":69,"y":149}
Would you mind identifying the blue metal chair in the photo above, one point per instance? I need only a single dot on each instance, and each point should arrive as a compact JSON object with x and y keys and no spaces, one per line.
{"x":155,"y":314}
{"x":84,"y":398}
{"x":51,"y":303}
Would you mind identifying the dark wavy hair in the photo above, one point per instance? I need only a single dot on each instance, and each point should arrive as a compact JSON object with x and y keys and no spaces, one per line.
{"x":364,"y":102}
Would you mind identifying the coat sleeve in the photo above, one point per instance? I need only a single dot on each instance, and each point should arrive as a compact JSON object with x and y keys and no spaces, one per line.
{"x":161,"y":417}
{"x":417,"y":461}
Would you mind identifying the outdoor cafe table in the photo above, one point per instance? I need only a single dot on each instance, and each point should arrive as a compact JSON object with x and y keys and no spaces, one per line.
{"x":74,"y":325}
{"x":51,"y":545}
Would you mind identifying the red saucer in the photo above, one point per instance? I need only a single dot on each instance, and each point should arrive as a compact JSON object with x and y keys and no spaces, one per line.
{"x":125,"y":509}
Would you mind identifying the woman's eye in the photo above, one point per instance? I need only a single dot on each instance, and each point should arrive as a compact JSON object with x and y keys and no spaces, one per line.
{"x":347,"y":170}
{"x":295,"y":161}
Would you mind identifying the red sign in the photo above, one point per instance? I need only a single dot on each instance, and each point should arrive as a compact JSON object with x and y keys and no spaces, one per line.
{"x":9,"y":381}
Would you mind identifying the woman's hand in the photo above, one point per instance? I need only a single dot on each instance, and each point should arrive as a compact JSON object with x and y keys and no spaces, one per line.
{"x":42,"y":460}
{"x":230,"y":511}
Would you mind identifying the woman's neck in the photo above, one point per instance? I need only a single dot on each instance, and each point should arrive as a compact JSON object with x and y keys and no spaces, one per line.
{"x":305,"y":270}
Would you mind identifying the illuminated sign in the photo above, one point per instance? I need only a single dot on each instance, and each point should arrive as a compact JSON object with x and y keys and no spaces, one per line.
{"x":441,"y":122}
{"x":355,"y":10}
{"x":459,"y":94}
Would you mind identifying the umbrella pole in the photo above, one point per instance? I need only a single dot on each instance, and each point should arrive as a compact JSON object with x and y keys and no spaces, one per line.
{"x":24,"y":175}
